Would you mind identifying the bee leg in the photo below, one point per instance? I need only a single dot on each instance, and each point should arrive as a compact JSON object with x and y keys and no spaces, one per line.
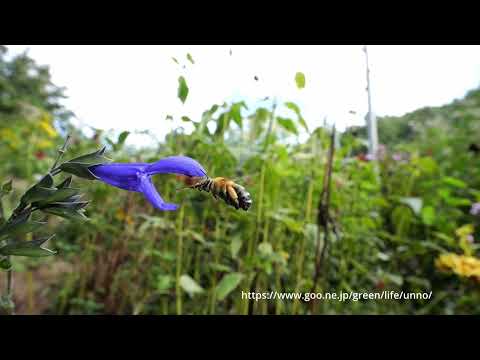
{"x":233,"y":195}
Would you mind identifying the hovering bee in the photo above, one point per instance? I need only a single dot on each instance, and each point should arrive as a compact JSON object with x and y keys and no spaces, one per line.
{"x":233,"y":194}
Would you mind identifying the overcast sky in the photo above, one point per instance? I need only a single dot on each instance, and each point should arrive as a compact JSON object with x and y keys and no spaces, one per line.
{"x":135,"y":87}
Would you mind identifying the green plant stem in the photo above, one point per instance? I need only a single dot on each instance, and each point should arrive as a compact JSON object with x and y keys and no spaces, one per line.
{"x":178,"y":290}
{"x":61,"y":151}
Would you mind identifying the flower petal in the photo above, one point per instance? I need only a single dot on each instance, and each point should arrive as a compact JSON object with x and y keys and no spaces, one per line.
{"x":151,"y":194}
{"x":121,"y":175}
{"x":176,"y":165}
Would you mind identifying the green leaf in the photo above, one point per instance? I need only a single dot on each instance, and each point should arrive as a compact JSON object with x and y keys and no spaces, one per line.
{"x":454,"y":182}
{"x":300,"y":80}
{"x":235,"y":246}
{"x":20,"y":225}
{"x":228,"y":283}
{"x":186,"y":119}
{"x":288,"y":125}
{"x":27,"y":248}
{"x":296,"y":109}
{"x":175,"y":60}
{"x":265,"y":248}
{"x":189,"y":57}
{"x":235,"y":113}
{"x":5,"y":263}
{"x":79,"y":170}
{"x":68,"y":212}
{"x":414,"y":203}
{"x":182,"y":89}
{"x":58,"y":195}
{"x":122,"y":137}
{"x":428,"y":215}
{"x":190,"y":286}
{"x":7,"y":187}
{"x":65,"y":183}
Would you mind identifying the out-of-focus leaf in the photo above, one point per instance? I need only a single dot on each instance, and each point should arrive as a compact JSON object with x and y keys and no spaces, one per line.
{"x":175,"y":60}
{"x":454,"y":182}
{"x":182,"y":89}
{"x":300,"y":80}
{"x":186,"y":119}
{"x":121,"y":138}
{"x":428,"y":215}
{"x":228,"y":283}
{"x":265,"y":248}
{"x":190,"y":286}
{"x":189,"y":57}
{"x":6,"y":188}
{"x":414,"y":203}
{"x":287,"y":124}
{"x":235,"y":246}
{"x":5,"y":263}
{"x":296,"y":109}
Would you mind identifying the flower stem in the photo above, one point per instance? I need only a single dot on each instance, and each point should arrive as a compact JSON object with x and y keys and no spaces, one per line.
{"x":61,"y":151}
{"x":178,"y":291}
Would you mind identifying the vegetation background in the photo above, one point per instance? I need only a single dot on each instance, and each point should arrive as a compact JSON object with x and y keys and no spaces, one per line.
{"x":404,"y":222}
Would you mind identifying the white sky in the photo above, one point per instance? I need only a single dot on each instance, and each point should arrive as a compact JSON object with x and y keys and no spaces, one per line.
{"x":135,"y":87}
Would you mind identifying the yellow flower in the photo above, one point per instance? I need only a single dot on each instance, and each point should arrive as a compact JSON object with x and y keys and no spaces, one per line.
{"x":462,"y":265}
{"x":45,"y":125}
{"x":120,"y":215}
{"x":44,"y":144}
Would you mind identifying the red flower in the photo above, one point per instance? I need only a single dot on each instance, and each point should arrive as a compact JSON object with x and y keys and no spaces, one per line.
{"x":40,"y":155}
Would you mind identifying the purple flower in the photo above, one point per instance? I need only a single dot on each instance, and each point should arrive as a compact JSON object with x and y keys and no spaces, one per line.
{"x":475,"y":210}
{"x":397,"y":157}
{"x":137,"y":176}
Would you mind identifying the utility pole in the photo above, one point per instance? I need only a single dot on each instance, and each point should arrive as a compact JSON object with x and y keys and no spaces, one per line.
{"x":371,"y":118}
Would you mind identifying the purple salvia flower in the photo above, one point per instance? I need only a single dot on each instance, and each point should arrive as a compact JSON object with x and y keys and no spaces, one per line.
{"x":137,"y":176}
{"x":475,"y":210}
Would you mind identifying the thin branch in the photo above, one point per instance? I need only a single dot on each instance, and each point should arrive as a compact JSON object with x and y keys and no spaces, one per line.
{"x":61,"y":151}
{"x":323,"y":218}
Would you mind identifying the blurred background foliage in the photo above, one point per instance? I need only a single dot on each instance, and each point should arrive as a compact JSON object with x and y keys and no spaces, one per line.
{"x":399,"y":223}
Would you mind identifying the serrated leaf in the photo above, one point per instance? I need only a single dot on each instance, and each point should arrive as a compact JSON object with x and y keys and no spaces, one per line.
{"x":288,"y":125}
{"x":300,"y":80}
{"x":189,"y":57}
{"x":27,"y":248}
{"x":228,"y":283}
{"x":182,"y":89}
{"x":190,"y":286}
